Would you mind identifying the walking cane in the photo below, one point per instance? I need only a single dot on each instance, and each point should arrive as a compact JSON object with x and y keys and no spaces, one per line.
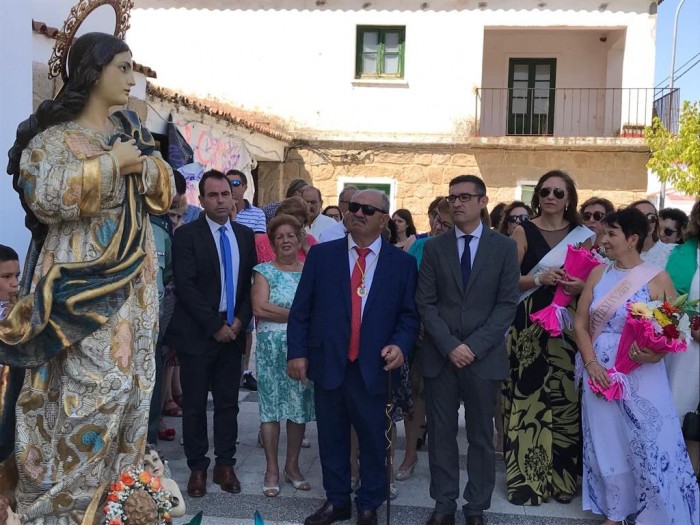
{"x":388,"y":409}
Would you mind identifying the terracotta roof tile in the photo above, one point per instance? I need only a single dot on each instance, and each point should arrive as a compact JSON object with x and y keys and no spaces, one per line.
{"x":272,"y":126}
{"x":51,"y":32}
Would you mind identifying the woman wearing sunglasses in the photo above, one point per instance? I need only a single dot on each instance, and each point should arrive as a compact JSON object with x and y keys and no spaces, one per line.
{"x":672,"y":223}
{"x":515,"y":213}
{"x":540,"y":403}
{"x":593,"y":211}
{"x":654,"y":250}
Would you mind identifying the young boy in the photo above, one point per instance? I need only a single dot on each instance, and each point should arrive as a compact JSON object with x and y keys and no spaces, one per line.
{"x":9,"y":279}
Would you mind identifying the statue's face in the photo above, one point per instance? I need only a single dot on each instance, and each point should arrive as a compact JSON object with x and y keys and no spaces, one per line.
{"x":116,"y":80}
{"x":153,"y":464}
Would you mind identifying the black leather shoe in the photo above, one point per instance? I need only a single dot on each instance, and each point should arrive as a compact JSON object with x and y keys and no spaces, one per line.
{"x":329,"y":514}
{"x":476,"y":520}
{"x":367,"y":517}
{"x":249,"y":382}
{"x":441,"y":519}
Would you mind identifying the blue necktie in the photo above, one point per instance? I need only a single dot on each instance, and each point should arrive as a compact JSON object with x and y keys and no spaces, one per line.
{"x":228,"y":273}
{"x":466,"y":261}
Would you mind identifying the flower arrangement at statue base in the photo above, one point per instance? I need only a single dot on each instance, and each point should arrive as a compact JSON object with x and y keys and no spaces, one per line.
{"x":553,"y":319}
{"x":660,"y":326}
{"x":131,"y":484}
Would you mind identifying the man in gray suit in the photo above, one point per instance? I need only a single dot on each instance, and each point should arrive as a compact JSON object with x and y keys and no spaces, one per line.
{"x":467,"y":296}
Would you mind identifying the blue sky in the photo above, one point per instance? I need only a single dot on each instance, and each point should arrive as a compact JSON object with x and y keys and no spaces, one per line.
{"x":687,"y":45}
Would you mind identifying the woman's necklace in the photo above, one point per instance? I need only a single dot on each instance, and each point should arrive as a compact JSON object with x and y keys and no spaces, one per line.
{"x":362,"y":289}
{"x":621,"y":269}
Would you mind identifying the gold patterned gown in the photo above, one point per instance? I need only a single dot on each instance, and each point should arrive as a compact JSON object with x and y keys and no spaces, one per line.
{"x":82,"y":417}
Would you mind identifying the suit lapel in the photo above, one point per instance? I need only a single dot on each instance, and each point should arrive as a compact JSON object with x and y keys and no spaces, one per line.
{"x":483,"y":253}
{"x":449,"y":248}
{"x":242,"y":249}
{"x":344,"y":274}
{"x":208,"y":239}
{"x":378,"y":278}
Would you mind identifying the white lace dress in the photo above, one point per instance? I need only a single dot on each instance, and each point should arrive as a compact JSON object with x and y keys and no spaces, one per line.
{"x":634,"y":458}
{"x":658,"y":254}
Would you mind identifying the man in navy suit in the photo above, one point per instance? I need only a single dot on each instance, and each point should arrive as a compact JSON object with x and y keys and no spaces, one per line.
{"x":349,"y":347}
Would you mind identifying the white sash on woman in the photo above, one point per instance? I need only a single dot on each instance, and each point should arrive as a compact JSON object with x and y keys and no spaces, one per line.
{"x":605,"y":308}
{"x":556,"y":256}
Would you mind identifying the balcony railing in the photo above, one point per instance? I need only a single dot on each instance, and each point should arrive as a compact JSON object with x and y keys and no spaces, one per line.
{"x":573,"y":112}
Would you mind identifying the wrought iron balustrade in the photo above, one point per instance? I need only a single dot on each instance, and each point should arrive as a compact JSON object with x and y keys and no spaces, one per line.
{"x":573,"y":112}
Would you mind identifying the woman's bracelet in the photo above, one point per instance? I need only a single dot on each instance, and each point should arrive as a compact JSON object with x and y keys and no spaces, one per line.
{"x":537,"y":278}
{"x":592,"y":360}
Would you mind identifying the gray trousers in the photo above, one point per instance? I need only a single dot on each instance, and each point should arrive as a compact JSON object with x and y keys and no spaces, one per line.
{"x":442,"y":399}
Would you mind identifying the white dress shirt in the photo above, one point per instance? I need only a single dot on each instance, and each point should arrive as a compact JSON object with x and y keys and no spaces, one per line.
{"x":321,"y":222}
{"x":235,"y":258}
{"x":370,"y":264}
{"x":332,"y":233}
{"x":473,"y":243}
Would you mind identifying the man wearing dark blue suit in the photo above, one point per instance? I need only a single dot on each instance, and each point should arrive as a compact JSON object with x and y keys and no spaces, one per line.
{"x":348,"y":348}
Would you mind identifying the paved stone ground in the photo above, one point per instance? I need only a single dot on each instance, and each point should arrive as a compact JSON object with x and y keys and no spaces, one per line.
{"x":413,"y":505}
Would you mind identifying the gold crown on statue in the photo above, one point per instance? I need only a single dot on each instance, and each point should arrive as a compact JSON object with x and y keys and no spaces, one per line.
{"x":58,"y":63}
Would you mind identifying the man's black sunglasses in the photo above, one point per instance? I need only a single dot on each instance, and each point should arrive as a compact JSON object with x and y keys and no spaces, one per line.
{"x":668,"y":232}
{"x":367,"y":209}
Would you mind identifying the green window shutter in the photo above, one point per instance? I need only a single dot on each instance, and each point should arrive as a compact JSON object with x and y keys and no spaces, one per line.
{"x":380,"y":52}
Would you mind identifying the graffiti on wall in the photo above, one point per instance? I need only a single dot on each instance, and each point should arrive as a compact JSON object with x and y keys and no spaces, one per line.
{"x":213,"y":149}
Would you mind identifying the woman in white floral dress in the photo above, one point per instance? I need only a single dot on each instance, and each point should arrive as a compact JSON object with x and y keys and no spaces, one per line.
{"x":635,"y":462}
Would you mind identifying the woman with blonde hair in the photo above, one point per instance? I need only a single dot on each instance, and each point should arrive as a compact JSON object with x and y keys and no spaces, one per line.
{"x":297,"y":208}
{"x":280,"y":398}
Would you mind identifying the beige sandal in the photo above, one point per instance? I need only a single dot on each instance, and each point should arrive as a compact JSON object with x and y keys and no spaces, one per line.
{"x":299,"y":484}
{"x":271,"y":492}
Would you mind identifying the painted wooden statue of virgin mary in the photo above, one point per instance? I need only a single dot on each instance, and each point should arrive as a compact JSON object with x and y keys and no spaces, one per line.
{"x":80,"y":340}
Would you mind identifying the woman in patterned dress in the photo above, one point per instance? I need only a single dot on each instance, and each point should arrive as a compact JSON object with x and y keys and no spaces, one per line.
{"x":540,"y":403}
{"x":635,"y":462}
{"x":87,"y":317}
{"x":274,"y":286}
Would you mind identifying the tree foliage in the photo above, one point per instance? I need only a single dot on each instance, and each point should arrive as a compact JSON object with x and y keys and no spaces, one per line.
{"x":676,"y":158}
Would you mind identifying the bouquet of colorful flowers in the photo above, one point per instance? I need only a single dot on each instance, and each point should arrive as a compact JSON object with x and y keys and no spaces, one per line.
{"x":660,"y":326}
{"x":579,"y":263}
{"x":129,"y":482}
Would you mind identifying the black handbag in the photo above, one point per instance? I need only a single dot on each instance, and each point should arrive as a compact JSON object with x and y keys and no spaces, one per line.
{"x":691,"y":425}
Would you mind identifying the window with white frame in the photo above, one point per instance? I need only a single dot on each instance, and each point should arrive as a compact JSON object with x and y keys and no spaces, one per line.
{"x":384,"y":184}
{"x":525,"y":190}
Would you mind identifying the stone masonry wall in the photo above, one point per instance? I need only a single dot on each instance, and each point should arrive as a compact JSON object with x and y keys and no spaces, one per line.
{"x":423,"y":174}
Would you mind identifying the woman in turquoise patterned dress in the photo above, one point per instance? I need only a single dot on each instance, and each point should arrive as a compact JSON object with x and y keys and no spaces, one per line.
{"x":280,"y":398}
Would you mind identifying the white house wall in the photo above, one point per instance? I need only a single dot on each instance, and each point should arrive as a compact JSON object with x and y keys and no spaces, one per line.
{"x":295,"y":60}
{"x":15,"y":106}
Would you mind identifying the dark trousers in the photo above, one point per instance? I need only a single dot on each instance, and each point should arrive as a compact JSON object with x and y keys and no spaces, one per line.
{"x":218,"y":365}
{"x":336,"y":410}
{"x":442,"y":398}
